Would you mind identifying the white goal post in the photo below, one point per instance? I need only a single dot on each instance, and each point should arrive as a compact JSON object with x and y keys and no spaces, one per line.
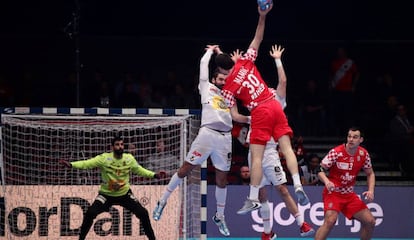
{"x":43,"y":200}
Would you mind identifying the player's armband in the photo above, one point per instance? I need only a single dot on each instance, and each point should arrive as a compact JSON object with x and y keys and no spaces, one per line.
{"x":320,"y":169}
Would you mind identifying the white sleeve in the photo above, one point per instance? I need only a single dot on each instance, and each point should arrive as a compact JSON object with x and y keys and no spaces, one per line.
{"x":204,"y":72}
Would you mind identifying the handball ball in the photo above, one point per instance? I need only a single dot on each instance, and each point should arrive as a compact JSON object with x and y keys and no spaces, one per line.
{"x":264,"y":4}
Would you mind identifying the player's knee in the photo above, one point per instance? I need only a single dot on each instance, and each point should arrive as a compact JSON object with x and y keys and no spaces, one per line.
{"x":184,"y":170}
{"x":330,"y":221}
{"x":370,"y":222}
{"x":221,"y":183}
{"x":282,"y":190}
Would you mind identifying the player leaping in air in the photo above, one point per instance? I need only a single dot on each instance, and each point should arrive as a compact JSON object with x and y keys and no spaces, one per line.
{"x":245,"y":83}
{"x":273,"y":173}
{"x":213,"y":140}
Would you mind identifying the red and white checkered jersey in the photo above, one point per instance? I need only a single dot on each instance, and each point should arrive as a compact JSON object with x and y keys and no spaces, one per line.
{"x":344,"y":168}
{"x":245,"y":83}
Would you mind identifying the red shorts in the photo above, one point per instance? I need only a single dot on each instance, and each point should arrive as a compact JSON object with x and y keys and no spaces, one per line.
{"x":268,"y":120}
{"x":348,"y":203}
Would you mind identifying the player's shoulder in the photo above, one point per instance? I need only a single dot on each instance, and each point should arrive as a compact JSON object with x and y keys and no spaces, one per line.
{"x":339,"y":148}
{"x":105,"y":155}
{"x":250,"y":54}
{"x":128,"y":156}
{"x":362,"y":151}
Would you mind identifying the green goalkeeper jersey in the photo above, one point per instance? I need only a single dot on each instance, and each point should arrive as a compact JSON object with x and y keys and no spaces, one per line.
{"x":114,"y":172}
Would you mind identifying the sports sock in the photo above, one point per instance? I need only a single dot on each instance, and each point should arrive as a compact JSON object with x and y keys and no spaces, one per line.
{"x":221,"y":195}
{"x":254,"y":192}
{"x":172,"y":185}
{"x":265,"y":213}
{"x":296,"y":180}
{"x":299,"y":219}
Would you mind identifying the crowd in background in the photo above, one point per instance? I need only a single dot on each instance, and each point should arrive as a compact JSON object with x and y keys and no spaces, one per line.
{"x":380,"y":101}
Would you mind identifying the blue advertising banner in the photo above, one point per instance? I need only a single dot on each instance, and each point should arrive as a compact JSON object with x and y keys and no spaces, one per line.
{"x":393,"y":209}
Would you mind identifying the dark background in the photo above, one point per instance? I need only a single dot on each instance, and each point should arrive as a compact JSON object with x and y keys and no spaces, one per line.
{"x":40,"y":64}
{"x":38,"y":47}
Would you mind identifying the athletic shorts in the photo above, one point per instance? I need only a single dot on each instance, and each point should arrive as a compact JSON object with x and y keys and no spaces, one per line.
{"x":273,"y":173}
{"x":348,"y":204}
{"x":268,"y":120}
{"x":213,"y":144}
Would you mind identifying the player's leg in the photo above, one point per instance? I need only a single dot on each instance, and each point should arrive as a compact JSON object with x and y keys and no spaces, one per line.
{"x":130,"y":202}
{"x":262,"y":125}
{"x":199,"y":151}
{"x":221,"y":196}
{"x":99,"y":205}
{"x":329,"y":222}
{"x":305,"y":228}
{"x":265,"y":214}
{"x":356,"y":208}
{"x":272,"y":175}
{"x":267,"y":233}
{"x":174,"y":182}
{"x":367,"y":223}
{"x":221,"y":159}
{"x":256,"y":173}
{"x":292,"y":164}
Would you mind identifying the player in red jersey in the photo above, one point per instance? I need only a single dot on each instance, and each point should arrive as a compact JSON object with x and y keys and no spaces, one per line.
{"x":245,"y":83}
{"x":344,"y":162}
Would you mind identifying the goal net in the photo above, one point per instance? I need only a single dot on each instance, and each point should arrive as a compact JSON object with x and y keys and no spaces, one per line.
{"x":44,"y":200}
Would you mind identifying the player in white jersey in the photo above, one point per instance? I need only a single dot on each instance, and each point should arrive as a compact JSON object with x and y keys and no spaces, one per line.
{"x":273,"y":173}
{"x":213,"y":140}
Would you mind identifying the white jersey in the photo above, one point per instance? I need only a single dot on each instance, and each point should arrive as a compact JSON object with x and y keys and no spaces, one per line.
{"x":215,"y":114}
{"x":214,"y":136}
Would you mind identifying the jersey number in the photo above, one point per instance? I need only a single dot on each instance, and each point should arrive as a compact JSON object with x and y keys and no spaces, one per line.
{"x":251,"y":83}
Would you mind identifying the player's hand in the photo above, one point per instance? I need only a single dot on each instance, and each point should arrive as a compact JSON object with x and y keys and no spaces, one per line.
{"x":330,"y":186}
{"x":276,"y":51}
{"x":264,"y":12}
{"x":212,"y":47}
{"x":368,"y":195}
{"x":235,"y":55}
{"x":160,"y":175}
{"x":65,"y":163}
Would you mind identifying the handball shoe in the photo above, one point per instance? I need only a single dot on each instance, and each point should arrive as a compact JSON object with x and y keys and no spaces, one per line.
{"x":221,"y":224}
{"x":268,"y":236}
{"x":249,"y":205}
{"x":301,"y":195}
{"x":306,"y":230}
{"x":156,"y":214}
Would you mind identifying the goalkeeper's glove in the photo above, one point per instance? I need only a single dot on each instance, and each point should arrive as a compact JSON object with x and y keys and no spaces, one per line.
{"x":65,"y":163}
{"x":160,"y":175}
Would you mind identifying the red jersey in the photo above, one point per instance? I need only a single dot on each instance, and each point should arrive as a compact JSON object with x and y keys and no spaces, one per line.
{"x":245,"y":83}
{"x":344,"y":168}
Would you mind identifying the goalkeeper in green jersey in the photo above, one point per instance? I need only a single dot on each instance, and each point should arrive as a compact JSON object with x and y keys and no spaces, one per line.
{"x":115,"y":169}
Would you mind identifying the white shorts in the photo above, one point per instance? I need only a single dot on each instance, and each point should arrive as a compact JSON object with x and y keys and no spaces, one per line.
{"x":211,"y":143}
{"x":273,"y":173}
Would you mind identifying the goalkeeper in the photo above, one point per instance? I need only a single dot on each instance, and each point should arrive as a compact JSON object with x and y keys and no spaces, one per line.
{"x":115,"y":169}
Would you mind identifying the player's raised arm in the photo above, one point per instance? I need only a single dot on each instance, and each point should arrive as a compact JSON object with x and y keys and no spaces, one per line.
{"x":258,"y":37}
{"x":276,"y":52}
{"x":204,"y":70}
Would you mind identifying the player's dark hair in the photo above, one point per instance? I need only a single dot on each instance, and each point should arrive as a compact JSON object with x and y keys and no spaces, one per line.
{"x":224,"y":61}
{"x":355,"y":128}
{"x":116,"y":139}
{"x":216,"y":72}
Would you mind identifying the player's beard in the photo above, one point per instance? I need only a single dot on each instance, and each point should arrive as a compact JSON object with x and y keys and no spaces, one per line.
{"x":119,"y":152}
{"x":219,"y":86}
